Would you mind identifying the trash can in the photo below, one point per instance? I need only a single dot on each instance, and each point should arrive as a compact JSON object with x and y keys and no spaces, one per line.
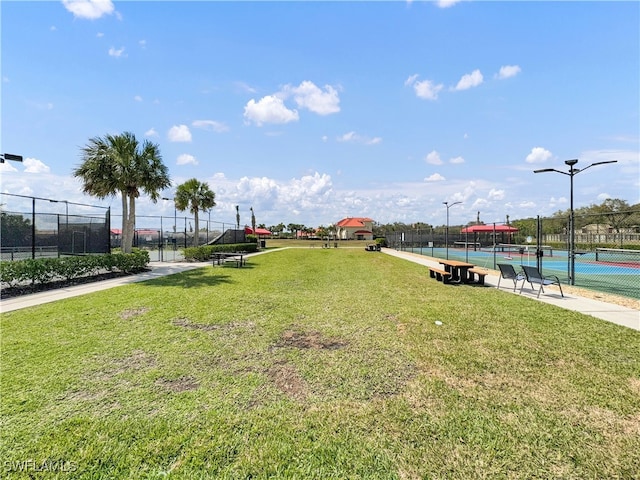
{"x":263,"y":244}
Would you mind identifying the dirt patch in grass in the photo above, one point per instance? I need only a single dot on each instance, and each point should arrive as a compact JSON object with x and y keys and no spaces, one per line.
{"x":309,"y":340}
{"x":185,"y":323}
{"x":133,"y":312}
{"x":177,"y":385}
{"x":287,"y":379}
{"x":138,"y":360}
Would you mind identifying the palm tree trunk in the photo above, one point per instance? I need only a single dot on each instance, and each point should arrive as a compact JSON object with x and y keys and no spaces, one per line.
{"x":125,"y":216}
{"x":196,"y":234}
{"x":131,"y":223}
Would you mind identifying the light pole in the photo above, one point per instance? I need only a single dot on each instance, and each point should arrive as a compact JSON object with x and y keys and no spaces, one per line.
{"x":572,"y":231}
{"x":446,"y":232}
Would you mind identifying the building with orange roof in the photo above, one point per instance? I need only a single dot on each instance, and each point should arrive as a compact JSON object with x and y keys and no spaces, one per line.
{"x":355,"y":228}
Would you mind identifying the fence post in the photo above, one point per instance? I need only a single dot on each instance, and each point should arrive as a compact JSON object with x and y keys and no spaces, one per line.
{"x":33,"y":227}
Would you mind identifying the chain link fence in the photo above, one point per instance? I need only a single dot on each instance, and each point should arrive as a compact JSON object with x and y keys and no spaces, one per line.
{"x":606,"y":246}
{"x":26,"y":231}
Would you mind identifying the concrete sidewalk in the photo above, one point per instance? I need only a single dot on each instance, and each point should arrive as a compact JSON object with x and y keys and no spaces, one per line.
{"x":157,"y":269}
{"x":627,"y":317}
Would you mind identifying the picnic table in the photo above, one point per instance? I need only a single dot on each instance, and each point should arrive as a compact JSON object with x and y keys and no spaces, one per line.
{"x":222,"y":257}
{"x":459,"y":270}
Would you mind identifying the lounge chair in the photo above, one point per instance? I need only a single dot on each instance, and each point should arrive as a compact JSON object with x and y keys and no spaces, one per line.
{"x":533,"y":275}
{"x":509,"y":273}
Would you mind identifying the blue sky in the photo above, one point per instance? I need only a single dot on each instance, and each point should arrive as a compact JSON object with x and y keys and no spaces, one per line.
{"x":313,"y":111}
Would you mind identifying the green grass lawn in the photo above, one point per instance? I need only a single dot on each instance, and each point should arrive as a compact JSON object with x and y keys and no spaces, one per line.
{"x":316,"y":363}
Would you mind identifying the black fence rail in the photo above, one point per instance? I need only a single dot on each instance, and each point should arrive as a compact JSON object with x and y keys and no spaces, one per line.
{"x":172,"y":232}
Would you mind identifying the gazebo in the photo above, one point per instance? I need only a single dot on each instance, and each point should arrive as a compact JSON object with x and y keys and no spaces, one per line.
{"x":491,"y":229}
{"x":259,"y":231}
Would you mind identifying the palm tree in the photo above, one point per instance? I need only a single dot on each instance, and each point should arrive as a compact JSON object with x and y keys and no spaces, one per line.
{"x":195,"y":196}
{"x":253,"y":221}
{"x":118,"y":164}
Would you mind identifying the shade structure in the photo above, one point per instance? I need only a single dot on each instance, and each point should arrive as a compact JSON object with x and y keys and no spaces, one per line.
{"x":259,"y":231}
{"x":488,"y":229}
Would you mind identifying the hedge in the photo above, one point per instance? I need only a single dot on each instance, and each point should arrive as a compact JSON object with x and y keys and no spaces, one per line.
{"x":203,"y":252}
{"x":43,"y":270}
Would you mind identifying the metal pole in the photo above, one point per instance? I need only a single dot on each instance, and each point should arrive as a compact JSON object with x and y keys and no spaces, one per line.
{"x":446,"y":232}
{"x":33,"y":227}
{"x":572,"y":233}
{"x":108,"y":226}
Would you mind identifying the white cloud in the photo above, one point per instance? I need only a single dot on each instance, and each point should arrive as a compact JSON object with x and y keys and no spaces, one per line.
{"x":508,"y":71}
{"x":308,"y":95}
{"x":179,"y":133}
{"x":496,"y":194}
{"x":210,"y":125}
{"x":603,"y":196}
{"x":89,"y":9}
{"x":33,"y":165}
{"x":411,"y":80}
{"x":7,"y":167}
{"x":538,"y":155}
{"x":269,"y":109}
{"x":257,"y":188}
{"x":307,"y":189}
{"x":186,"y":159}
{"x":469,"y":80}
{"x":137,"y":98}
{"x":151,"y":133}
{"x":356,"y":138}
{"x":456,"y":160}
{"x":436,"y":177}
{"x":433,"y":158}
{"x":427,"y":90}
{"x":447,"y":3}
{"x":245,"y":88}
{"x":113,"y":52}
{"x":142,"y":43}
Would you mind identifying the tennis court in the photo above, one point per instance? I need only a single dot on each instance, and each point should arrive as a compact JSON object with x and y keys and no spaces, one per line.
{"x":611,"y":272}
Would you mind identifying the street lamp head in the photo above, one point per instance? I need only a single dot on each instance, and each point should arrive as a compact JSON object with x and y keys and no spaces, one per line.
{"x":602,"y":163}
{"x":542,"y":170}
{"x":571,"y":162}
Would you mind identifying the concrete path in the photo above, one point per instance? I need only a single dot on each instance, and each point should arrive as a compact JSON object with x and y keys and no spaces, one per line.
{"x":619,"y":315}
{"x":627,"y":317}
{"x":157,"y":269}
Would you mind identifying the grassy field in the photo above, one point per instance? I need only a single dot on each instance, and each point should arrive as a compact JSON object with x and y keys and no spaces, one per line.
{"x":316,"y":363}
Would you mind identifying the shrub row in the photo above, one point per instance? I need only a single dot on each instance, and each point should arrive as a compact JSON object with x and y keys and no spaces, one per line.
{"x":43,"y":270}
{"x":203,"y":252}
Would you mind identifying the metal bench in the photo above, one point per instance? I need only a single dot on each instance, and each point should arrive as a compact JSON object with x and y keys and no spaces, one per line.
{"x":533,"y":275}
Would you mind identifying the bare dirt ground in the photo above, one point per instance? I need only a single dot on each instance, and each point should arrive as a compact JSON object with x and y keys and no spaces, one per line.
{"x":603,"y":297}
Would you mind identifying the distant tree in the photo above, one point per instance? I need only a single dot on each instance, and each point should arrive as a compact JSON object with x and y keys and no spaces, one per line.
{"x":15,"y":230}
{"x":117,"y":164}
{"x":195,"y":196}
{"x":322,"y":231}
{"x":295,"y":228}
